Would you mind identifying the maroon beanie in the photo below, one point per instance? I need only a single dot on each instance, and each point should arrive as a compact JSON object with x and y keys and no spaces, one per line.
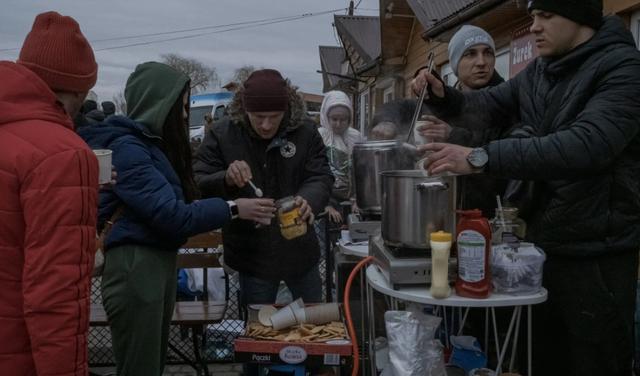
{"x":57,"y":52}
{"x":265,"y":91}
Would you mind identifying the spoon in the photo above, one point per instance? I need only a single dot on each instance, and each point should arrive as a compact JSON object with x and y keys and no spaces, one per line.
{"x":257,"y":190}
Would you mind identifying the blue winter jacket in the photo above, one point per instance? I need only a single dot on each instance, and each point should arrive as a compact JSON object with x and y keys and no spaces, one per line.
{"x":155,"y":213}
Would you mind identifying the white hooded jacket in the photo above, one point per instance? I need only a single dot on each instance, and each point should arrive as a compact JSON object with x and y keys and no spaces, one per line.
{"x":339,"y":146}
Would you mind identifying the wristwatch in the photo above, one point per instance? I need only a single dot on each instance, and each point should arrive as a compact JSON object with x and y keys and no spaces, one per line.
{"x":233,"y":209}
{"x":478,"y":158}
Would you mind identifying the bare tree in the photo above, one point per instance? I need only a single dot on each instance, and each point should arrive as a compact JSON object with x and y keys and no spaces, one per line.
{"x":241,"y":74}
{"x":202,"y":77}
{"x":121,"y":103}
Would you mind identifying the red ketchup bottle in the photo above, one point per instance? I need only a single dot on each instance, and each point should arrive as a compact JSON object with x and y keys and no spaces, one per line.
{"x":474,"y":246}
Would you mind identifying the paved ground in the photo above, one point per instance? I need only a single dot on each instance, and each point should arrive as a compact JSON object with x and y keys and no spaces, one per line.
{"x":225,"y":369}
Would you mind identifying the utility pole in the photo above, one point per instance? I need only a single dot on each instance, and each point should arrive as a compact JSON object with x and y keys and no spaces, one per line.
{"x":351,"y":8}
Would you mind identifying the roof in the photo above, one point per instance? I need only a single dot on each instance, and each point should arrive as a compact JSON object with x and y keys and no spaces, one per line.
{"x":331,"y":58}
{"x":430,"y":12}
{"x":363,"y":33}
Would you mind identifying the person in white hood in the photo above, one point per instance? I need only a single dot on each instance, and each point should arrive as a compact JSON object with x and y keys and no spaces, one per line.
{"x":339,"y":138}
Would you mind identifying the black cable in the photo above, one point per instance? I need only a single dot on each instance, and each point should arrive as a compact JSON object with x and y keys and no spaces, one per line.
{"x":306,"y":15}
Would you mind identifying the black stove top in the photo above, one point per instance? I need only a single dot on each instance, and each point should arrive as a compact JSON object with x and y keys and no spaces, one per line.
{"x":405,"y":252}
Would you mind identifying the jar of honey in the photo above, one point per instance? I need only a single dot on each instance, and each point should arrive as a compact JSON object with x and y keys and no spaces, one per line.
{"x":291,"y":223}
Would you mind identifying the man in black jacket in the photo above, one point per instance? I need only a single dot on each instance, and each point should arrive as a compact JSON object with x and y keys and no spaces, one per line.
{"x":269,"y":141}
{"x":580,"y":99}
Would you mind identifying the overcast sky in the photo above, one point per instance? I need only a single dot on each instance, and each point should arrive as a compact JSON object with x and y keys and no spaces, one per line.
{"x":291,"y":47}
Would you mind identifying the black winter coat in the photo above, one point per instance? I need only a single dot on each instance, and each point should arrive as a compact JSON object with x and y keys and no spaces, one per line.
{"x":263,"y":252}
{"x":586,"y":164}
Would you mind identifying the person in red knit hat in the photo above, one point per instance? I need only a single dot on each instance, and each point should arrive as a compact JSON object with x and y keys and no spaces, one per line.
{"x":48,"y":202}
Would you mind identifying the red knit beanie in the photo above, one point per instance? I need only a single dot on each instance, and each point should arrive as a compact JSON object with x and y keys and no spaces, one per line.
{"x":57,"y":52}
{"x":265,"y":91}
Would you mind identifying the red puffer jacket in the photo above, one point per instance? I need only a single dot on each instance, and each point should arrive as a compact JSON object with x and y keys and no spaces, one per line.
{"x":48,"y":205}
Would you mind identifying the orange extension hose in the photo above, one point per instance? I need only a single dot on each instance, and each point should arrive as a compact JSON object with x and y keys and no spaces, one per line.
{"x":347,"y":313}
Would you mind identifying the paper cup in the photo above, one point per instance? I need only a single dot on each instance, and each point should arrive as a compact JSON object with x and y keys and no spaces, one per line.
{"x":104,"y":162}
{"x":284,"y":318}
{"x":265,"y":313}
{"x":301,"y":315}
{"x":322,"y":313}
{"x":298,"y":310}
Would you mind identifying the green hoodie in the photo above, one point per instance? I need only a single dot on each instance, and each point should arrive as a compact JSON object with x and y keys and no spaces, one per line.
{"x":151,"y":91}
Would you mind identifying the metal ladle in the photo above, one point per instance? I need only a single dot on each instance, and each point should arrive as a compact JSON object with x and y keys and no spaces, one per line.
{"x":423,"y":94}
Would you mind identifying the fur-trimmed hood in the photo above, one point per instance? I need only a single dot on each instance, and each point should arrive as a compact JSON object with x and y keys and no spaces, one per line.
{"x":294,"y":117}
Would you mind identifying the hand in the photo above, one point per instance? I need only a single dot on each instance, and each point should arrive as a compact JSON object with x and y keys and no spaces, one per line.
{"x":334,"y":215}
{"x":354,"y":207}
{"x":305,"y":210}
{"x":442,"y":158}
{"x":433,"y":129}
{"x":114,"y":177}
{"x":423,"y":78}
{"x":238,"y":174}
{"x":260,"y":210}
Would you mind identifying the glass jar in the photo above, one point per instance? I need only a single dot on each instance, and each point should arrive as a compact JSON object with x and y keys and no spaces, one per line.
{"x":291,"y":223}
{"x":512,"y":229}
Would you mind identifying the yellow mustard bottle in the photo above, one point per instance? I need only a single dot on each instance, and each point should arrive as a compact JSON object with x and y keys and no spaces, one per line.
{"x":440,"y":243}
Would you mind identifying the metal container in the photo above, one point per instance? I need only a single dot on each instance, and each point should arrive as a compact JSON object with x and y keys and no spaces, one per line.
{"x":371,"y":158}
{"x":415,"y":205}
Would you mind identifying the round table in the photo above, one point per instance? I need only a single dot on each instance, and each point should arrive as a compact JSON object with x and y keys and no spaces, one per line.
{"x":357,"y":249}
{"x":420,"y":294}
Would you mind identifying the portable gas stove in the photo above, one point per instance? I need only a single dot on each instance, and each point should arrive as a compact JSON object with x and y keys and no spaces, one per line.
{"x":363,"y":227}
{"x":406,"y":266}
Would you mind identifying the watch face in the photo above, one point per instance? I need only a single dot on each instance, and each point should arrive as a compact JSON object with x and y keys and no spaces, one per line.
{"x":478,"y":158}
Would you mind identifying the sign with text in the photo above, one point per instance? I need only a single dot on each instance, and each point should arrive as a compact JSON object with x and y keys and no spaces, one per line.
{"x":523,"y":50}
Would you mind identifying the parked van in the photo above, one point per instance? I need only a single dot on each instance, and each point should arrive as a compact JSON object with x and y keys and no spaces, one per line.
{"x":214,"y":104}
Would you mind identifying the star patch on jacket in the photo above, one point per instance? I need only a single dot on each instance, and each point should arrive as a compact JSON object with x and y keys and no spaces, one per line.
{"x":288,"y":150}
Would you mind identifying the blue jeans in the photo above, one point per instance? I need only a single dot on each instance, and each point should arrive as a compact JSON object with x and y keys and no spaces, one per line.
{"x":259,"y":291}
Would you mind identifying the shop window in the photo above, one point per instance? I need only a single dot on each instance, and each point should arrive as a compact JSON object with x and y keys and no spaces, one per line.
{"x":387,"y":95}
{"x":502,"y":62}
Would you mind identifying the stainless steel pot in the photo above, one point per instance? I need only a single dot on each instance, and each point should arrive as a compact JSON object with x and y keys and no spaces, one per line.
{"x":415,"y":205}
{"x":369,"y":159}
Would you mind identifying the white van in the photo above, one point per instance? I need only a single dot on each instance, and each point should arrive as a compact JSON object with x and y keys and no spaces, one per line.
{"x":214,"y":104}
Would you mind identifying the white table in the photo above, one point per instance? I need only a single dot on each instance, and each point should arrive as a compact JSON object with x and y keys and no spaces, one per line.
{"x":376,"y":281}
{"x":348,"y":247}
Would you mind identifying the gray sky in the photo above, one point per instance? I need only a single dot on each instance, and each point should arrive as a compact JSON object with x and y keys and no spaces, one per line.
{"x":291,"y":47}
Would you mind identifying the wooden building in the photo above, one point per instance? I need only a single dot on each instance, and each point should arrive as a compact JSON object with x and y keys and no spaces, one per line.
{"x":408,"y":29}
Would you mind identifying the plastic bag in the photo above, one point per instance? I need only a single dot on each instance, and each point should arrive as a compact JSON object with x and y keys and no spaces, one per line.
{"x":413,"y":351}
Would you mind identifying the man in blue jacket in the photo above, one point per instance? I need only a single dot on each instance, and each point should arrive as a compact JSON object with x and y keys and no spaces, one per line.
{"x":580,"y":98}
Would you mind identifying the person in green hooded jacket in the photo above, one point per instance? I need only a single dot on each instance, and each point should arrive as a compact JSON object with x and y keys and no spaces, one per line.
{"x":160,"y":210}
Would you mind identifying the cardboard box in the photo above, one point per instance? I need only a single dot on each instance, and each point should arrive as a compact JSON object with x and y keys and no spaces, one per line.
{"x":261,"y":351}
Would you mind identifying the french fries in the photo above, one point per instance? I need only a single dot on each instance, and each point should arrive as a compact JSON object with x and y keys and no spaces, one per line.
{"x":302,"y":333}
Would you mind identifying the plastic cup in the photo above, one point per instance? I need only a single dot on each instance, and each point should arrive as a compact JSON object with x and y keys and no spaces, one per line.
{"x":322,"y":313}
{"x":284,"y":318}
{"x":104,"y":163}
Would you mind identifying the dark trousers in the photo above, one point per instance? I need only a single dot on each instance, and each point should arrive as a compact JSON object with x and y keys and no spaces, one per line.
{"x":586,"y":327}
{"x":259,"y":291}
{"x":139,"y":292}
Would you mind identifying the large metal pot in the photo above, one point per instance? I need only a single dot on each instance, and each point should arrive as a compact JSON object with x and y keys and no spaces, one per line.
{"x":369,"y":159}
{"x":415,"y":205}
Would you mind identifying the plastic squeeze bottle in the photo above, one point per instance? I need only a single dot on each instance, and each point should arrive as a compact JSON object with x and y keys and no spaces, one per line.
{"x":440,"y":246}
{"x":474,"y":246}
